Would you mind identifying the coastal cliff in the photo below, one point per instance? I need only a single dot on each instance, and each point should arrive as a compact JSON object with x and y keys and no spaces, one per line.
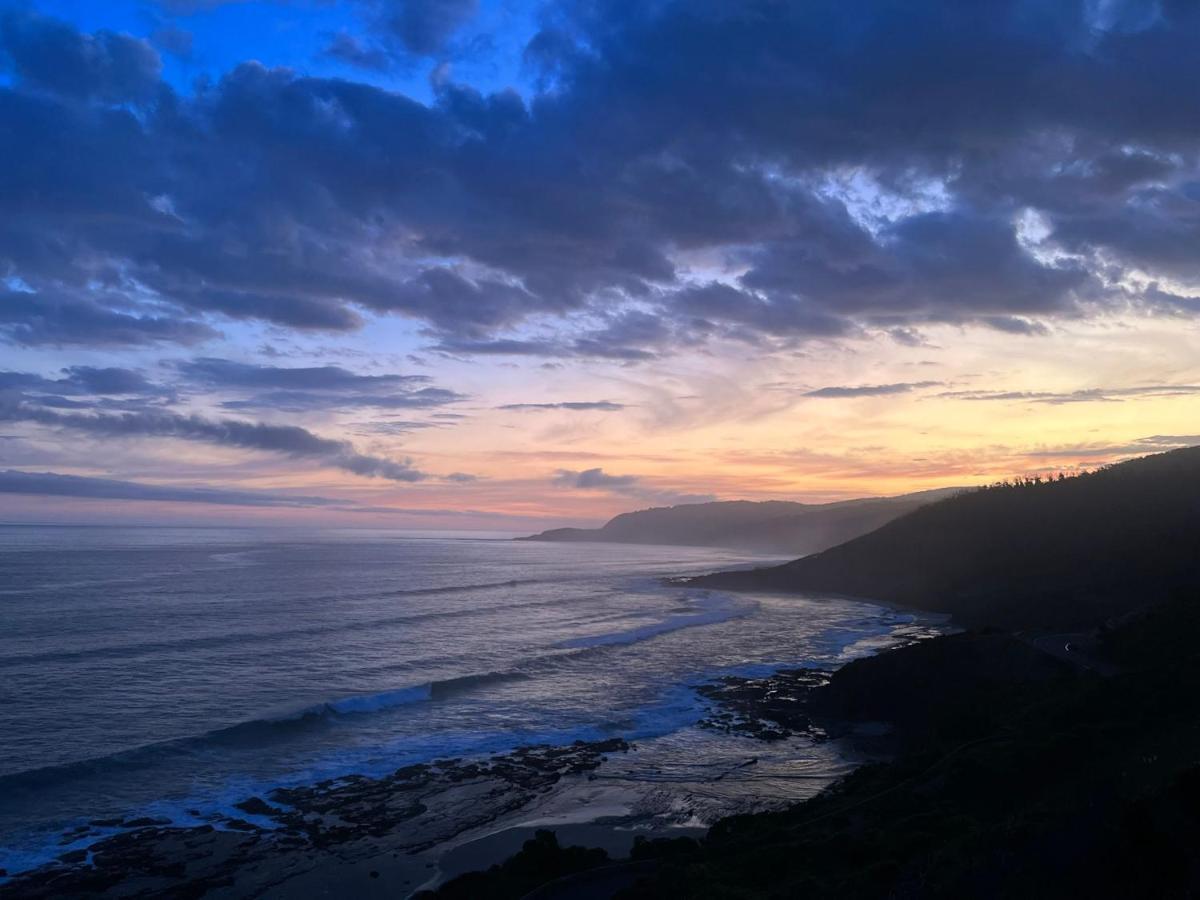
{"x":772,"y":526}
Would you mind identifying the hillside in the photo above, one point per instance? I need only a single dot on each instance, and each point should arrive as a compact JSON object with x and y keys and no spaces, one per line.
{"x":1015,"y":774}
{"x":1052,"y":554}
{"x":773,"y":526}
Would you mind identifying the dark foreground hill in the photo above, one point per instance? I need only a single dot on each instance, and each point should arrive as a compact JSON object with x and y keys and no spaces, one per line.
{"x":1015,"y":774}
{"x":1024,"y":762}
{"x":773,"y":526}
{"x":1058,"y":554}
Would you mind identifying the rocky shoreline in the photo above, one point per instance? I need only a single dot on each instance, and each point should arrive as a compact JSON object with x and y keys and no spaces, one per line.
{"x":387,"y":832}
{"x":291,"y":829}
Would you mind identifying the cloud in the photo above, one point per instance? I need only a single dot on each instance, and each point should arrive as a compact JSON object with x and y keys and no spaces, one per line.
{"x":402,"y":427}
{"x":76,"y":381}
{"x":288,"y":440}
{"x":840,"y":170}
{"x":578,"y":405}
{"x":400,"y":30}
{"x":49,"y":55}
{"x":298,"y":389}
{"x":1084,"y":395}
{"x":56,"y":318}
{"x":425,"y":25}
{"x":51,"y":484}
{"x":871,"y":390}
{"x":176,"y":41}
{"x":628,"y":336}
{"x":626,"y":485}
{"x":593,"y":479}
{"x":111,"y":402}
{"x":108,"y":380}
{"x":352,"y":50}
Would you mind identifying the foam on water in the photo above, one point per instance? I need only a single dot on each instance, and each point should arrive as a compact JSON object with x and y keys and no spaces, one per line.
{"x":705,"y":609}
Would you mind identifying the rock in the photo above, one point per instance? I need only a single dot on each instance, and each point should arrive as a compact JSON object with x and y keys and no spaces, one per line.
{"x":257,"y":806}
{"x":414,"y":808}
{"x":771,"y":708}
{"x":144,"y":822}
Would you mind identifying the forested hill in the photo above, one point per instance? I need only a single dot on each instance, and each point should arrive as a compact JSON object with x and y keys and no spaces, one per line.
{"x":773,"y":526}
{"x":1060,"y":553}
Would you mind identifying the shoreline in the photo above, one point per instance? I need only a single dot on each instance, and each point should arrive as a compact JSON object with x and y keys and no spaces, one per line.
{"x":427,"y":823}
{"x":411,"y":831}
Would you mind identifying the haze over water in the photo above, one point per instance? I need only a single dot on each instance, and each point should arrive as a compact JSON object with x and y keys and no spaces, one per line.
{"x":164,"y":670}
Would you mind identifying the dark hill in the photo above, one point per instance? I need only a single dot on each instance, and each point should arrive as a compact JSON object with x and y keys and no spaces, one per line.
{"x":1058,"y":554}
{"x":773,"y":526}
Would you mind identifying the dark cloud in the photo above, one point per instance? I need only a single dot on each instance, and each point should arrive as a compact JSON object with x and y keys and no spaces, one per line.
{"x":354,"y":51}
{"x":402,"y":28}
{"x":218,"y":372}
{"x":289,"y":440}
{"x":425,"y":25}
{"x":109,"y":380}
{"x":627,"y":485}
{"x":452,"y":302}
{"x":836,"y":169}
{"x":579,"y":405}
{"x":871,"y":390}
{"x":305,"y":401}
{"x":46,"y":54}
{"x":759,"y":312}
{"x":176,"y":41}
{"x":629,"y":336}
{"x":47,"y":318}
{"x":51,"y":484}
{"x":592,"y":479}
{"x":84,"y":380}
{"x":297,"y":389}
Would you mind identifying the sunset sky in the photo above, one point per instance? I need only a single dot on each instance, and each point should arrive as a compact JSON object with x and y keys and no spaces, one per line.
{"x":508,"y":265}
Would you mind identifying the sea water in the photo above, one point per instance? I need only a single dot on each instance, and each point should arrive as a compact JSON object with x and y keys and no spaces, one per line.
{"x":175,"y":671}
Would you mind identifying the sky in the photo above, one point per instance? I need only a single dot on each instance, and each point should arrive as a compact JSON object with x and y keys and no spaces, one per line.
{"x":496,"y":264}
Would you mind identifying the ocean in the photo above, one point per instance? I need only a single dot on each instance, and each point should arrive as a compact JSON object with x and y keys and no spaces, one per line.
{"x":173,"y":671}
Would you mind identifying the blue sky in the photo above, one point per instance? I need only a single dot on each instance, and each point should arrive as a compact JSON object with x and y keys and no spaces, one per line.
{"x":203,"y":38}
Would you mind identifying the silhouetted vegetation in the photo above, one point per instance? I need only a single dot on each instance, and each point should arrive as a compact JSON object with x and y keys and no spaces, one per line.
{"x":539,"y":861}
{"x":1059,"y":552}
